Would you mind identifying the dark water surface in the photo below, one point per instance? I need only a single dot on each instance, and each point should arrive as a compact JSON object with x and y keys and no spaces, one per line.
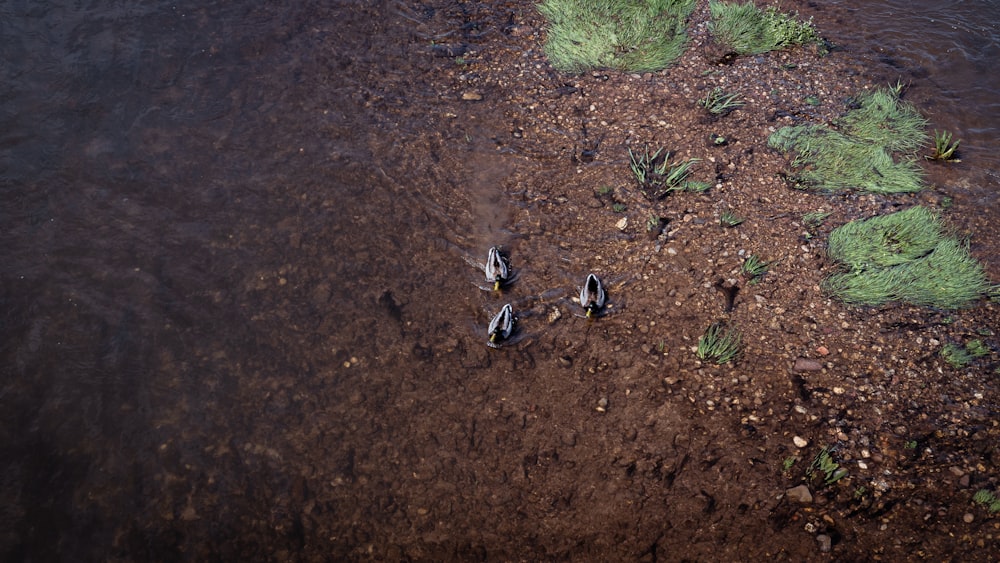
{"x":208,"y":235}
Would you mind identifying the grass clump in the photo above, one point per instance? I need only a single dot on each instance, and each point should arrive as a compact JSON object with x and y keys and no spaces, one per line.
{"x":814,"y":219}
{"x":719,"y":344}
{"x":754,"y":268}
{"x":944,"y":149}
{"x":824,"y":464}
{"x":880,"y":117}
{"x":859,"y":154}
{"x":657,"y":176}
{"x":987,"y":499}
{"x":627,"y":35}
{"x":960,"y":356}
{"x":729,"y":219}
{"x":905,"y":256}
{"x":749,"y":30}
{"x":718,"y":102}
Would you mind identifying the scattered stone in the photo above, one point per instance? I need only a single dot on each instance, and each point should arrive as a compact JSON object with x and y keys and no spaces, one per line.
{"x":968,"y":518}
{"x":822,"y":350}
{"x":472,"y":96}
{"x":825,"y":543}
{"x":956,"y":471}
{"x":602,"y":404}
{"x":805,"y":364}
{"x":799,"y":494}
{"x":622,"y":223}
{"x":965,"y":480}
{"x":800,"y":442}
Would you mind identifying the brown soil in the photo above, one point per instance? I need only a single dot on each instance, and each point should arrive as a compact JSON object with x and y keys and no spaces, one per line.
{"x":324,"y":391}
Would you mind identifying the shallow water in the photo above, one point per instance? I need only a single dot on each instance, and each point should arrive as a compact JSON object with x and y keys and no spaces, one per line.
{"x":946,"y":52}
{"x":209,"y":237}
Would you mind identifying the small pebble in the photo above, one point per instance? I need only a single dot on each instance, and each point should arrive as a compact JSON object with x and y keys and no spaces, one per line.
{"x":825,"y":543}
{"x":800,"y":442}
{"x":602,"y":404}
{"x":799,"y":494}
{"x":968,"y":517}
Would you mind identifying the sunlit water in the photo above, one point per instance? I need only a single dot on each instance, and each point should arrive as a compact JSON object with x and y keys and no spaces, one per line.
{"x":197,"y":229}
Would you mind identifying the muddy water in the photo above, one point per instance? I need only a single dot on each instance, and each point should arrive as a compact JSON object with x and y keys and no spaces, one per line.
{"x":218,"y":262}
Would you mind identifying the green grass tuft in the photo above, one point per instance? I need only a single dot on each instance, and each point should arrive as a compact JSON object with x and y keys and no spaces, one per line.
{"x":754,"y":268}
{"x":749,"y":30}
{"x":959,"y":356}
{"x":628,"y":35}
{"x":859,"y":155}
{"x":905,"y":256}
{"x":888,"y":240}
{"x":730,"y":219}
{"x":824,"y":463}
{"x":719,"y":102}
{"x":719,"y":344}
{"x":944,"y":149}
{"x":987,"y":499}
{"x":657,"y":176}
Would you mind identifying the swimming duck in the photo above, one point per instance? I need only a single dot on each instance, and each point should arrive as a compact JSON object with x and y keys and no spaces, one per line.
{"x":592,"y":296}
{"x":502,"y":326}
{"x":497,"y":268}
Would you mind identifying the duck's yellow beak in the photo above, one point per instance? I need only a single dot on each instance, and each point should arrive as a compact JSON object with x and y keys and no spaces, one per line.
{"x":493,"y":338}
{"x":496,"y":285}
{"x":590,"y":313}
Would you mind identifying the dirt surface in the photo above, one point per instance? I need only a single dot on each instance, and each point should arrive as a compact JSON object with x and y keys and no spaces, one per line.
{"x":314,"y":384}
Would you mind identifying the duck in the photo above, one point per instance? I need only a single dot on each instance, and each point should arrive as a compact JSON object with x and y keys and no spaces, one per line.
{"x":502,"y":326}
{"x":592,"y":296}
{"x":497,"y":269}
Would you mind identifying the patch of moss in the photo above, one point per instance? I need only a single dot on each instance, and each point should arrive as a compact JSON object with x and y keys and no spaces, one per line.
{"x":627,"y":35}
{"x":859,"y":154}
{"x":905,"y":256}
{"x":749,"y":30}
